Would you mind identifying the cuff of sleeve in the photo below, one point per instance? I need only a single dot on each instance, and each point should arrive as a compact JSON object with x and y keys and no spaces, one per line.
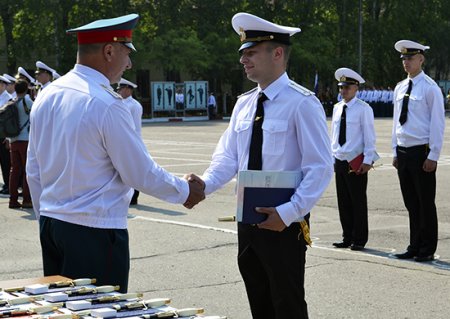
{"x":433,"y":156}
{"x":184,"y":191}
{"x":287,"y":213}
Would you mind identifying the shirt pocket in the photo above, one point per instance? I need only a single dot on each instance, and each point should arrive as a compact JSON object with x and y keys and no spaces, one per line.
{"x":415,"y":101}
{"x":243,"y":132}
{"x":274,"y":136}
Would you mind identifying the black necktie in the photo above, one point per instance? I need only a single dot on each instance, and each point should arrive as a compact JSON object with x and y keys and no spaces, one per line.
{"x":255,"y":154}
{"x":404,"y":113}
{"x":343,"y":127}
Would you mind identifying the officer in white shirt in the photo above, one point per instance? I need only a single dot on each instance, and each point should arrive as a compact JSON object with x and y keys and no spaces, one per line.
{"x":279,"y":126}
{"x":10,"y":86}
{"x":84,"y":156}
{"x":352,"y":141}
{"x":212,"y":106}
{"x":44,"y":75}
{"x":125,"y":89}
{"x":417,"y":137}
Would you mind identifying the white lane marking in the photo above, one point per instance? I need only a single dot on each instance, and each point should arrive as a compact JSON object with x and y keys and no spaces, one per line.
{"x":389,"y":252}
{"x":166,"y":221}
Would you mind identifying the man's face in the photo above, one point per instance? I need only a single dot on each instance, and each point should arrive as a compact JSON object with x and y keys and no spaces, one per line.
{"x":413,"y":64}
{"x":42,"y":77}
{"x":2,"y":87}
{"x":10,"y":88}
{"x":258,"y":63}
{"x":120,"y":61}
{"x":348,"y":92}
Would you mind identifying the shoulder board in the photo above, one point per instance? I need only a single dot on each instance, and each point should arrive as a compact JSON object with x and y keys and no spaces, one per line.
{"x":111,"y":91}
{"x":248,"y":92}
{"x":300,"y":88}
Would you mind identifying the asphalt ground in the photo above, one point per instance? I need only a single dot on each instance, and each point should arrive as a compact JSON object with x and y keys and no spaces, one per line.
{"x":189,"y":256}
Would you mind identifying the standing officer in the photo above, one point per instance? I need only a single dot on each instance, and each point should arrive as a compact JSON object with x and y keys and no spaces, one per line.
{"x":44,"y":75}
{"x":278,"y":126}
{"x":417,"y":137}
{"x":84,"y":156}
{"x":352,"y":139}
{"x":11,"y":86}
{"x":125,"y":89}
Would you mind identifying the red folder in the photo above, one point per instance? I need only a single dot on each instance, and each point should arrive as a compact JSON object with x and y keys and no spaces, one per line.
{"x":355,"y":163}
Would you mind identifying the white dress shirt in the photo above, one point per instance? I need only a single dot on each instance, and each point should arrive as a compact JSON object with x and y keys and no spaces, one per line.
{"x":136,"y":113}
{"x":84,"y":154}
{"x":425,"y":122}
{"x":294,"y":139}
{"x":360,"y":131}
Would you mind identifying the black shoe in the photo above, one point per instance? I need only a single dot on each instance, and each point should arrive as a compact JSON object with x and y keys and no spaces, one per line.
{"x":341,"y":245}
{"x":356,"y":247}
{"x":4,"y":191}
{"x":424,"y":258}
{"x":405,"y":255}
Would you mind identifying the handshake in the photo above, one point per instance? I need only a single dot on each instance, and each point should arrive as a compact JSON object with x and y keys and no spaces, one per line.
{"x":196,"y":190}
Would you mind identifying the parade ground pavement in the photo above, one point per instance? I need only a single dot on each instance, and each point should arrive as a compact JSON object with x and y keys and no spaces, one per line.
{"x":190,"y":257}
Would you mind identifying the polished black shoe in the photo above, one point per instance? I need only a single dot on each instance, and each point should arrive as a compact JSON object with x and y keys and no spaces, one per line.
{"x":405,"y":255}
{"x":424,"y":258}
{"x":356,"y":247}
{"x":4,"y":191}
{"x":341,"y":245}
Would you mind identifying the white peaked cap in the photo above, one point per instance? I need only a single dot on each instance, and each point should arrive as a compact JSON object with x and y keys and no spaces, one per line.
{"x":55,"y":75}
{"x":9,"y":77}
{"x":42,"y":65}
{"x":347,"y":76}
{"x":22,"y":71}
{"x":408,"y":47}
{"x":2,"y":78}
{"x":126,"y":82}
{"x":254,"y":30}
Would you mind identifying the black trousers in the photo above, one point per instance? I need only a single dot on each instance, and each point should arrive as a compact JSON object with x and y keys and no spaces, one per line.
{"x":419,"y":192}
{"x":352,"y":203}
{"x":5,"y":162}
{"x":135,"y":197}
{"x":77,"y":251}
{"x":272,"y":265}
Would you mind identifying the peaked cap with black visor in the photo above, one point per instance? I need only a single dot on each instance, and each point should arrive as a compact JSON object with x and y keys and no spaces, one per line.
{"x":254,"y":30}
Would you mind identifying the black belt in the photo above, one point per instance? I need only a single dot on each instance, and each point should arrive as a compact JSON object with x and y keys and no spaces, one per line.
{"x":402,"y":149}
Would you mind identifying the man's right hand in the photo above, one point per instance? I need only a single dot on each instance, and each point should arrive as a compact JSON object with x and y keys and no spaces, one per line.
{"x":196,"y":191}
{"x":395,"y":162}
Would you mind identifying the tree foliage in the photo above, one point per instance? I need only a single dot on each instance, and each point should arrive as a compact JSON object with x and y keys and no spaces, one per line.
{"x":195,"y":37}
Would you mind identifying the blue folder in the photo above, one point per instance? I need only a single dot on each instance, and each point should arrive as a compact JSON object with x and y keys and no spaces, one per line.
{"x":262,"y":197}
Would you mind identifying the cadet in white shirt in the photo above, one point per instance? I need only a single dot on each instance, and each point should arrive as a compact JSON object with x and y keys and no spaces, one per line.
{"x":84,"y":156}
{"x":352,"y":142}
{"x":44,"y":75}
{"x":10,"y":86}
{"x":125,"y":89}
{"x":417,"y":137}
{"x":278,"y":126}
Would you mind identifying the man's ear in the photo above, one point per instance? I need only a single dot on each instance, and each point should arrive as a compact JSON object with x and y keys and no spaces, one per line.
{"x":108,"y":51}
{"x":278,"y":53}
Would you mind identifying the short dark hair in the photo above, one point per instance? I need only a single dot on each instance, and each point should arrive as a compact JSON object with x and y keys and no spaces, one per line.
{"x":21,"y":86}
{"x":286,"y":48}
